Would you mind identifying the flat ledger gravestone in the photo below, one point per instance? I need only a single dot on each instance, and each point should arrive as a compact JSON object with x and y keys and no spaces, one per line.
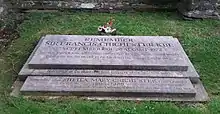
{"x":190,"y":73}
{"x":109,"y":53}
{"x":112,"y":67}
{"x":110,"y":86}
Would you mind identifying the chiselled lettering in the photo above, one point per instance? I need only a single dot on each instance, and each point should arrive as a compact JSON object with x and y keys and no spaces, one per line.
{"x":111,"y":44}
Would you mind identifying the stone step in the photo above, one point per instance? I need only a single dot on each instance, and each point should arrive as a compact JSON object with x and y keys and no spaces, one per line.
{"x":108,"y":86}
{"x":191,"y":73}
{"x":109,"y":53}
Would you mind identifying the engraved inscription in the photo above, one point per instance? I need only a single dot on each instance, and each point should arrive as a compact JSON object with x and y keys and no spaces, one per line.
{"x":118,"y":48}
{"x":149,"y":84}
{"x":129,"y":52}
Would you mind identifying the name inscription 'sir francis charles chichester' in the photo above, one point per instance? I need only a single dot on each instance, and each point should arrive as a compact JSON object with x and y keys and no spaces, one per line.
{"x":88,"y":52}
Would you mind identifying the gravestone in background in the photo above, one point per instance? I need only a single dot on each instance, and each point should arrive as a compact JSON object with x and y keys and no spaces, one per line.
{"x":112,"y":67}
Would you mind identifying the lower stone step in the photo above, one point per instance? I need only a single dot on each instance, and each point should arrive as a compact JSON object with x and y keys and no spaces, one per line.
{"x":108,"y":86}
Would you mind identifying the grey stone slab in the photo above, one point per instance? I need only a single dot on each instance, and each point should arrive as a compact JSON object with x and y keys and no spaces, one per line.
{"x":201,"y":95}
{"x":108,"y":86}
{"x":110,"y":53}
{"x":191,"y":73}
{"x":15,"y":88}
{"x":26,"y":71}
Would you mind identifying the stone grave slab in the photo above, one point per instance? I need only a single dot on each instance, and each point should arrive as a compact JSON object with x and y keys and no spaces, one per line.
{"x":26,"y":71}
{"x":201,"y":95}
{"x":108,"y":86}
{"x":110,"y":53}
{"x":191,"y":73}
{"x":129,"y":79}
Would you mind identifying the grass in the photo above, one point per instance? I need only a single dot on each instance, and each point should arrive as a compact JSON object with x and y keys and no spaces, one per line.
{"x":200,"y":39}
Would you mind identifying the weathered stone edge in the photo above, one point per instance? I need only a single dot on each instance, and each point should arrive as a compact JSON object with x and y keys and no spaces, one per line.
{"x":201,"y":95}
{"x":30,"y":87}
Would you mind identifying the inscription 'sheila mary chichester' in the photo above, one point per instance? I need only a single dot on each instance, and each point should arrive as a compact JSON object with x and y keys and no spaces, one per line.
{"x":109,"y":84}
{"x":138,"y":52}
